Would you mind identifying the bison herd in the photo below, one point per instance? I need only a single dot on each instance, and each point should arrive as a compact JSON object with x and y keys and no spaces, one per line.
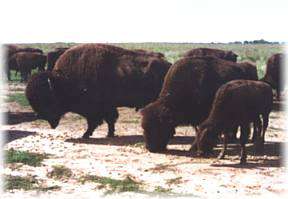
{"x":206,"y":88}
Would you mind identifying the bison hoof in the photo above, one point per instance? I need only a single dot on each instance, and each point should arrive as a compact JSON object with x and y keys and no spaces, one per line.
{"x":221,"y":156}
{"x":110,"y":136}
{"x":85,"y":136}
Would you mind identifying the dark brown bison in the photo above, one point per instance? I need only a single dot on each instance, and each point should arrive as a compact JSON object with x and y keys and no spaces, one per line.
{"x":274,"y":72}
{"x":150,"y":53}
{"x":186,"y":97}
{"x":222,"y":54}
{"x":25,"y":62}
{"x":237,"y":102}
{"x":52,"y":57}
{"x":31,"y":50}
{"x":93,"y":80}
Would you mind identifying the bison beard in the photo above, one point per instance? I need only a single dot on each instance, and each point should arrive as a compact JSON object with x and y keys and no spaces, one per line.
{"x":93,"y":80}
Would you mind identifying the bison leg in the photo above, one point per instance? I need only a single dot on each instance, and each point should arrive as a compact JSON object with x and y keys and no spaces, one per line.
{"x":257,"y":135}
{"x":111,"y":119}
{"x":243,"y":141}
{"x":223,"y":152}
{"x":92,"y":124}
{"x":194,"y":143}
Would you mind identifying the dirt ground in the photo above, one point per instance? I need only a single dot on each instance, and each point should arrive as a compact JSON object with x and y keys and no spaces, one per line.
{"x":177,"y":170}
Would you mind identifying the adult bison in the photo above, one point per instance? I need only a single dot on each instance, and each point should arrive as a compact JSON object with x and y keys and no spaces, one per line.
{"x":186,"y":97}
{"x":274,"y":72}
{"x":25,"y":62}
{"x":222,"y":54}
{"x":53,"y":56}
{"x":93,"y":80}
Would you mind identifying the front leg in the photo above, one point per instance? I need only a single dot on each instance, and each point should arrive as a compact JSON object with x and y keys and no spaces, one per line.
{"x":111,"y":118}
{"x":92,"y":124}
{"x":223,"y":152}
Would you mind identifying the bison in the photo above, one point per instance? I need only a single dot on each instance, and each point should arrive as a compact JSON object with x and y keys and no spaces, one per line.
{"x":186,"y":97}
{"x":222,"y":54}
{"x":25,"y":62}
{"x":150,"y":53}
{"x":93,"y":80}
{"x":237,"y":102}
{"x":274,"y":71}
{"x":52,"y":57}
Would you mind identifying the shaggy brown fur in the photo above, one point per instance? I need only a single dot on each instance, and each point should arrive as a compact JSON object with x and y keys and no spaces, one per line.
{"x":53,"y":56}
{"x":93,"y":80}
{"x":222,"y":54}
{"x":274,"y":70}
{"x":25,"y":62}
{"x":150,"y":53}
{"x":186,"y":97}
{"x":31,"y":50}
{"x":237,"y":102}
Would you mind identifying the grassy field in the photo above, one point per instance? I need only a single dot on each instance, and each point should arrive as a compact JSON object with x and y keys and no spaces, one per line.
{"x":257,"y":53}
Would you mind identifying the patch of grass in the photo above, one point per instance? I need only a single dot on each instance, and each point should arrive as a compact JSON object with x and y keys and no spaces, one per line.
{"x":174,"y":180}
{"x":25,"y":183}
{"x":60,"y":172}
{"x":159,"y":189}
{"x":17,"y":182}
{"x":51,"y":188}
{"x":113,"y":185}
{"x":32,"y":159}
{"x":139,"y":144}
{"x":131,"y":121}
{"x":19,"y":98}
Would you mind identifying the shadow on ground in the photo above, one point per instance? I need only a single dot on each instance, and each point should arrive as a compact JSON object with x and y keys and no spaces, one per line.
{"x":18,"y":117}
{"x":271,"y":149}
{"x":10,"y":135}
{"x":127,"y":140}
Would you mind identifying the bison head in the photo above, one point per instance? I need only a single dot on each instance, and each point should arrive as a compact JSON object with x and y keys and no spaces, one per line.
{"x":206,"y":139}
{"x":231,"y":56}
{"x":158,"y":127}
{"x":41,"y":96}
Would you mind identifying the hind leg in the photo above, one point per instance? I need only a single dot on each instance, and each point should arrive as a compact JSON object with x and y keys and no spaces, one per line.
{"x":111,"y":118}
{"x":194,"y":143}
{"x":92,"y":125}
{"x":243,"y":141}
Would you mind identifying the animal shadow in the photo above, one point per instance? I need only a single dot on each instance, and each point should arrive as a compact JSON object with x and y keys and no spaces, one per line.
{"x":18,"y":117}
{"x":11,"y":135}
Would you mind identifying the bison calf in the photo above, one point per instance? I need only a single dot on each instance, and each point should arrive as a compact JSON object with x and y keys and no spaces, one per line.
{"x":236,"y":103}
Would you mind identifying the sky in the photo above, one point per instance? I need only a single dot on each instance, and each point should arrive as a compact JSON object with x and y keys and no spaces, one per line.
{"x":142,"y":21}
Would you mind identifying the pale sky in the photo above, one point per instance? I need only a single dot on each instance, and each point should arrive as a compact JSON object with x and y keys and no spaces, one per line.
{"x":142,"y":21}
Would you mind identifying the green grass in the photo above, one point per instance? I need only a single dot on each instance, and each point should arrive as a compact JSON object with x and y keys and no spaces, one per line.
{"x":258,"y":53}
{"x":60,"y":172}
{"x":17,"y":182}
{"x":32,"y":159}
{"x":159,"y":189}
{"x":113,"y":185}
{"x":25,"y":183}
{"x":19,"y":98}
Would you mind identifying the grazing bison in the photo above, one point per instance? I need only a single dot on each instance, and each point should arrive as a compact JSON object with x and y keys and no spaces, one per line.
{"x":150,"y":53}
{"x":274,"y":71}
{"x":237,"y":102}
{"x":25,"y":62}
{"x":222,"y":54}
{"x":31,"y":50}
{"x":186,"y":97}
{"x":52,"y":57}
{"x":93,"y":80}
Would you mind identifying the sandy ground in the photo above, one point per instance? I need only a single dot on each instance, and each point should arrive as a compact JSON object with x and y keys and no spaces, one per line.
{"x":177,"y":169}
